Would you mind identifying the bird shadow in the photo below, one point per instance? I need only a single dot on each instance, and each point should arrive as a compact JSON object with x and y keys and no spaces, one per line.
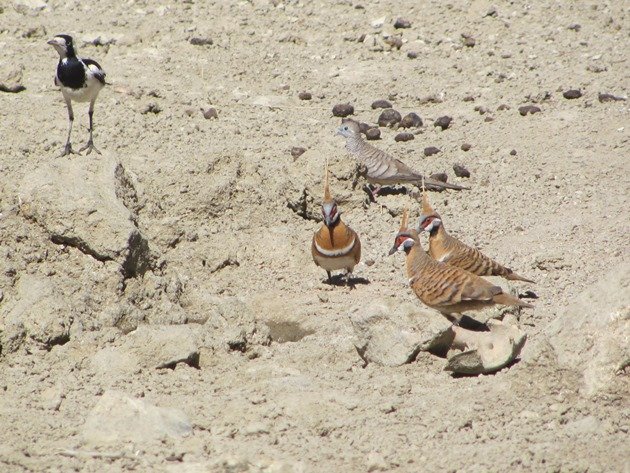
{"x":385,"y":191}
{"x":469,"y":323}
{"x":341,"y":280}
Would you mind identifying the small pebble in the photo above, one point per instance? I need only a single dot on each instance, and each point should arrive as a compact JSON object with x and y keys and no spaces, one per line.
{"x":502,"y":107}
{"x":443,"y":122}
{"x":412,"y":54}
{"x":411,"y":120}
{"x":151,"y":108}
{"x":469,"y":98}
{"x":466,"y":146}
{"x":481,"y":109}
{"x":373,"y":134}
{"x":461,"y":171}
{"x":468,"y":40}
{"x":575,"y":27}
{"x":402,"y":23}
{"x":305,"y":96}
{"x":572,"y":94}
{"x":528,"y":109}
{"x":394,"y":41}
{"x":189,"y":111}
{"x":489,"y":118}
{"x":404,"y":136}
{"x":364,"y":127}
{"x":342,"y":110}
{"x":389,"y":117}
{"x":296,"y":152}
{"x":492,"y":12}
{"x":210,"y":113}
{"x":431,"y":150}
{"x":369,"y":262}
{"x":198,"y":41}
{"x":513,"y":152}
{"x":381,"y":104}
{"x":605,"y":97}
{"x":439,"y":176}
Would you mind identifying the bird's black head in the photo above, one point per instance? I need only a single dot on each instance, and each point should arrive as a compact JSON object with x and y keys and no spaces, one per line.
{"x":64,"y":45}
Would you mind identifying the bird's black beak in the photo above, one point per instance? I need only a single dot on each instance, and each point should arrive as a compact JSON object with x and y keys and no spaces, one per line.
{"x":393,"y":250}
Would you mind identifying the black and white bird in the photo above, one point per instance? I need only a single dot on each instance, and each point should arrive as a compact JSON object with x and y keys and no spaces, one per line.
{"x":80,"y":80}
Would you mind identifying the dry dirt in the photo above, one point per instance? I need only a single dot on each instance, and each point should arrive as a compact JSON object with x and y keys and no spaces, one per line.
{"x":203,"y":237}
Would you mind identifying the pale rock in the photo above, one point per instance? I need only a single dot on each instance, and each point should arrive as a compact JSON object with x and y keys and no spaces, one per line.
{"x":29,"y":7}
{"x":88,"y":204}
{"x":118,"y":418}
{"x":392,"y":333}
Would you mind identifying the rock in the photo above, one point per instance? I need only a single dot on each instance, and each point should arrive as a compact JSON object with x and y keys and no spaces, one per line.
{"x":118,"y":418}
{"x":210,"y":113}
{"x":443,"y":122}
{"x":605,"y":97}
{"x":468,"y":40}
{"x":364,"y":127}
{"x":466,"y":146}
{"x":404,"y":136}
{"x":164,"y":346}
{"x":491,"y":12}
{"x":88,"y":204}
{"x":502,"y":107}
{"x":412,"y":54}
{"x":39,"y":311}
{"x":29,"y":7}
{"x":373,"y":134}
{"x":572,"y":94}
{"x":574,"y":27}
{"x":389,"y":117}
{"x":402,"y":23}
{"x":296,"y":152}
{"x":342,"y":110}
{"x":201,"y":41}
{"x":11,"y":79}
{"x":439,"y":176}
{"x":460,"y":171}
{"x":513,"y":152}
{"x":151,"y":107}
{"x":391,"y":333}
{"x":528,"y":109}
{"x":590,"y":336}
{"x":411,"y":120}
{"x":381,"y":104}
{"x":305,"y":96}
{"x":485,"y":352}
{"x":431,"y":150}
{"x":394,"y":41}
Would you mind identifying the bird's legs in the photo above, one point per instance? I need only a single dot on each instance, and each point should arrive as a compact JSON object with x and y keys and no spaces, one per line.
{"x":90,"y":144}
{"x":329,"y":277}
{"x":68,"y":148}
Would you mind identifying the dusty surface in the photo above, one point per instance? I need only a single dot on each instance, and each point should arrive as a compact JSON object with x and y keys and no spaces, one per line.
{"x":264,"y":375}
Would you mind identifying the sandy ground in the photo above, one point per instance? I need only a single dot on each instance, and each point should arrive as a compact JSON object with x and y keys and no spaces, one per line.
{"x":274,"y":382}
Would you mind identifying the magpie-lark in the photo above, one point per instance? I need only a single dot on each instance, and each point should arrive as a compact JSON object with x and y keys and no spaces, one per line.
{"x":81,"y":80}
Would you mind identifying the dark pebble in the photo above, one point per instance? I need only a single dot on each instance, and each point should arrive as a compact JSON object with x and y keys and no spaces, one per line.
{"x":443,"y":122}
{"x":199,"y":41}
{"x":469,"y":98}
{"x":151,"y":108}
{"x":531,"y":109}
{"x":572,"y":94}
{"x":402,"y":23}
{"x":575,"y":27}
{"x":389,"y":117}
{"x":461,"y":171}
{"x":373,"y":134}
{"x":466,"y":146}
{"x":210,"y":113}
{"x":305,"y":96}
{"x":404,"y":136}
{"x":342,"y":110}
{"x":513,"y":152}
{"x":381,"y":104}
{"x":412,"y":54}
{"x":431,"y":150}
{"x":296,"y":152}
{"x":604,"y":97}
{"x":468,"y":40}
{"x":489,"y":118}
{"x":364,"y":127}
{"x":411,"y":120}
{"x":503,"y":107}
{"x":439,"y":176}
{"x":394,"y":41}
{"x":481,"y":109}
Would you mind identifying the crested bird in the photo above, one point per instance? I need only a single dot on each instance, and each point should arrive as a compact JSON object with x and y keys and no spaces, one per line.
{"x":335,"y":245}
{"x":448,"y":249}
{"x":80,"y":80}
{"x":448,"y":289}
{"x":381,"y":168}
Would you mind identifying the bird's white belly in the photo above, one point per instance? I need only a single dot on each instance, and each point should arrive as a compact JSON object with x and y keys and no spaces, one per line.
{"x":84,"y":94}
{"x":333,"y":263}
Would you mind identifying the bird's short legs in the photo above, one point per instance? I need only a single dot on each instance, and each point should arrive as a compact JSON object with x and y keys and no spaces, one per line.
{"x":329,"y":277}
{"x":68,"y":148}
{"x":90,"y":144}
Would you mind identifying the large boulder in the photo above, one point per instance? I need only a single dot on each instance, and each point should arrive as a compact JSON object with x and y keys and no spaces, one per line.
{"x":88,"y":204}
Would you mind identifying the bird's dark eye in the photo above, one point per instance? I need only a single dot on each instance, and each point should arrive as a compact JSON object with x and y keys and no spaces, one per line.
{"x":345,"y":128}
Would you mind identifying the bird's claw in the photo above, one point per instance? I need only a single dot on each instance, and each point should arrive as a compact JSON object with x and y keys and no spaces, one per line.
{"x":90,"y":147}
{"x":68,"y":150}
